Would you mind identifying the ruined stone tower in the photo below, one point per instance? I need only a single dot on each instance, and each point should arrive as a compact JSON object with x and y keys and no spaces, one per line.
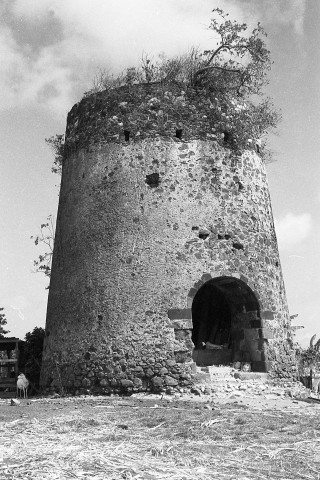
{"x":165,"y":242}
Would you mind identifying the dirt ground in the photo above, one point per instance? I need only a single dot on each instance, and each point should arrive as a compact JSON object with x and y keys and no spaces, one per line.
{"x":160,"y":437}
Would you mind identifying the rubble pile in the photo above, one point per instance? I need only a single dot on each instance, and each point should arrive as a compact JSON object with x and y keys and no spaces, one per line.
{"x":227,"y":380}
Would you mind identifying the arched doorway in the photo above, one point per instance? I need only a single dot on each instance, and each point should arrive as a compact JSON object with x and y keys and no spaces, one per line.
{"x":226,"y":323}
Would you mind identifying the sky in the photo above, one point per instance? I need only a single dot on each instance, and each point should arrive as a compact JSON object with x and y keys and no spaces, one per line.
{"x":50,"y":52}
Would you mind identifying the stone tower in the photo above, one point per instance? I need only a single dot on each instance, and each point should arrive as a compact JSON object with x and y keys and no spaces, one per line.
{"x":165,"y":243}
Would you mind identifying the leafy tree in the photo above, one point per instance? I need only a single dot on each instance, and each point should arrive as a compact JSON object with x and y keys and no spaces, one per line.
{"x":239,"y":62}
{"x":47,"y":230}
{"x":3,"y":321}
{"x":56,"y":143}
{"x":30,"y":359}
{"x":45,"y":237}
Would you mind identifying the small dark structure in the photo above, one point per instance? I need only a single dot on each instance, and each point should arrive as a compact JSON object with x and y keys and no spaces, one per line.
{"x":8,"y":364}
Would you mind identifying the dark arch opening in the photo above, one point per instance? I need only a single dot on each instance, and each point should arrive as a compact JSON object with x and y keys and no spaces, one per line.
{"x":223,"y":310}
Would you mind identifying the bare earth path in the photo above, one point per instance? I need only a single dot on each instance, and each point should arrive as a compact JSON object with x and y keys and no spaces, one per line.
{"x":152,"y":437}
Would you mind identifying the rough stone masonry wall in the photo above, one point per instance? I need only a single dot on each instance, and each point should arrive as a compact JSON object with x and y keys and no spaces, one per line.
{"x":140,"y":227}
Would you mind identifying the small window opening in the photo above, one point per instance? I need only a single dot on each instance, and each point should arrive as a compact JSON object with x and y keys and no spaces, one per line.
{"x":153,"y":180}
{"x":227,"y":137}
{"x":237,"y":246}
{"x":179,"y":133}
{"x":126,"y":135}
{"x":203,"y":234}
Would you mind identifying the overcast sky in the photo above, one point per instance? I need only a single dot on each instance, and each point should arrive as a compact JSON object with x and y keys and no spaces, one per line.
{"x":50,"y":51}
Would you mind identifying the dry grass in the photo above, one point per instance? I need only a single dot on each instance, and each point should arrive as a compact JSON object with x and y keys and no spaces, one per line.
{"x":128,"y":439}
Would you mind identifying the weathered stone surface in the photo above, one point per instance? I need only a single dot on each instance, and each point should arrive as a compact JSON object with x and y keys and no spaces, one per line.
{"x":179,"y":313}
{"x":129,"y":261}
{"x":251,"y":334}
{"x":137,"y":382}
{"x":182,"y":324}
{"x":195,"y":391}
{"x":266,"y":333}
{"x":126,"y":383}
{"x":170,"y":381}
{"x":86,"y":383}
{"x":157,"y":382}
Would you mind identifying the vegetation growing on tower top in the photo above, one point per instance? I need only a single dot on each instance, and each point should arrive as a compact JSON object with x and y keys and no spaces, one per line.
{"x":214,"y":95}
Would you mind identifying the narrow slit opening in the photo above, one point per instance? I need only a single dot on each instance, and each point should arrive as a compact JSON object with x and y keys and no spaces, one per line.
{"x":126,"y":135}
{"x":179,"y":133}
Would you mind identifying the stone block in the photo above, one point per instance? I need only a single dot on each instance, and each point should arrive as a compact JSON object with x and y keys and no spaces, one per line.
{"x":137,"y":382}
{"x":256,"y":356}
{"x":179,"y":313}
{"x":266,"y":333}
{"x":201,"y":378}
{"x":170,"y":381}
{"x":259,"y":377}
{"x":189,"y":302}
{"x":183,"y":335}
{"x":198,"y":285}
{"x":164,"y":371}
{"x":212,"y":357}
{"x":185,"y":324}
{"x":255,"y":323}
{"x":251,"y":334}
{"x":226,"y":273}
{"x":206,"y":277}
{"x":236,"y":275}
{"x":253,"y":345}
{"x":244,"y":278}
{"x":267,"y":315}
{"x":183,"y":357}
{"x":86,"y":383}
{"x":157,"y":382}
{"x":126,"y":383}
{"x":215,"y":274}
{"x":261,"y":366}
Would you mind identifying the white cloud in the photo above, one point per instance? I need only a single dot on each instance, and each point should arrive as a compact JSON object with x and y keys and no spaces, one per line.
{"x":110,"y":34}
{"x":292,"y":229}
{"x":287,"y":12}
{"x":276,"y":12}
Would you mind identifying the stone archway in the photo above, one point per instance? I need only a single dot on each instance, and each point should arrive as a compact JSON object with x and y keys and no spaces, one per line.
{"x":226,"y":324}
